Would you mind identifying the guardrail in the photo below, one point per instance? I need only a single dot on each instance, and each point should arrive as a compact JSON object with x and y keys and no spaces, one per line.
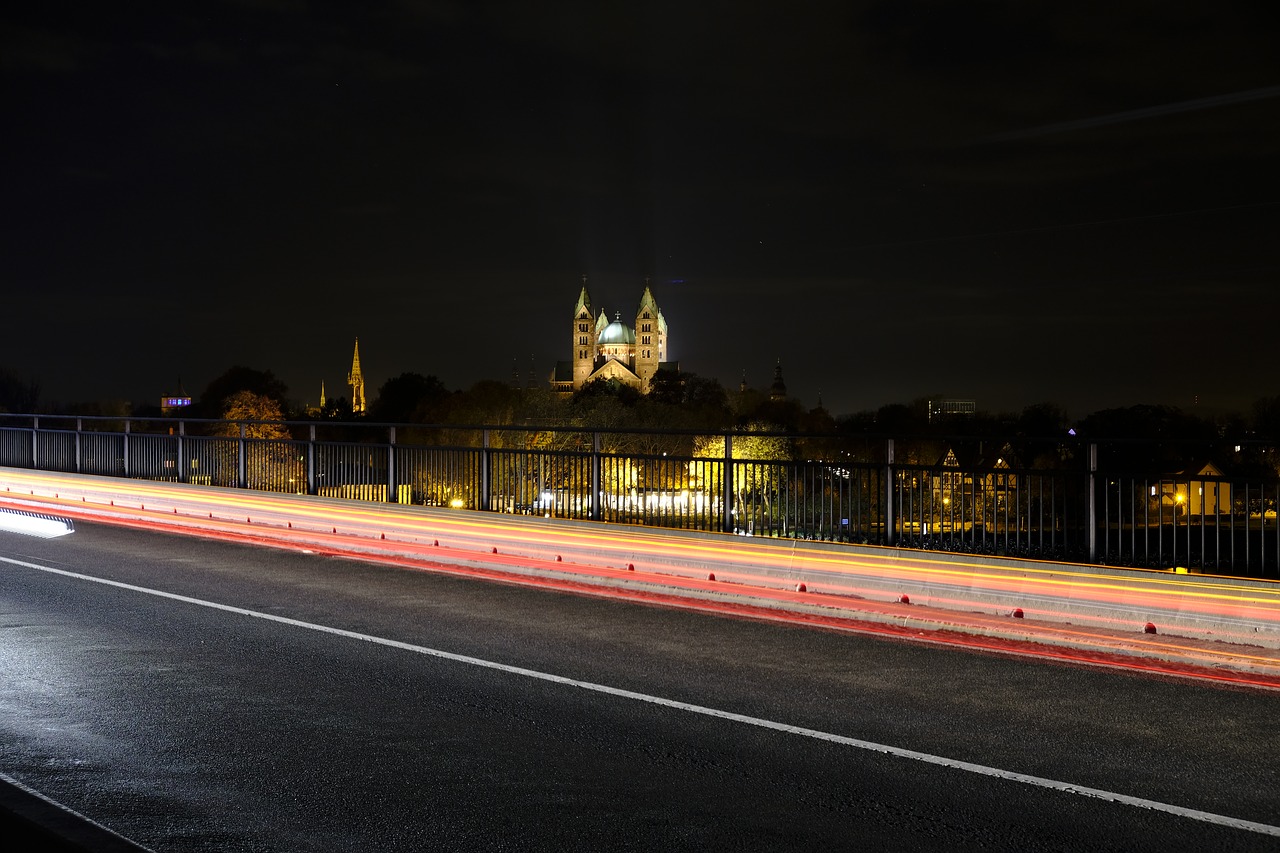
{"x":851,"y":490}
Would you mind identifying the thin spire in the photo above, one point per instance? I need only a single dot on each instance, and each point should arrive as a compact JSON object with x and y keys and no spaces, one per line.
{"x":356,"y":380}
{"x":778,"y":390}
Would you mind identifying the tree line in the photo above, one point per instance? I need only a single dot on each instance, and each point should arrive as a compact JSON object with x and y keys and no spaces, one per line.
{"x":681,"y":401}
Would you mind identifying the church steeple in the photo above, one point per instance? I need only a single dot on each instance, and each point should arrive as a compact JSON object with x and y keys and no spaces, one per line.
{"x":651,"y":338}
{"x":778,"y":390}
{"x":356,"y":380}
{"x":586,"y":331}
{"x":584,"y":300}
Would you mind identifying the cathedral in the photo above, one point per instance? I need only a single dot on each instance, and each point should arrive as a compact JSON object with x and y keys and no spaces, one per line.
{"x":612,"y":350}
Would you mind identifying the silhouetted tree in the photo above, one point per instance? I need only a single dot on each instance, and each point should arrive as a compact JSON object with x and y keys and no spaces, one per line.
{"x":596,"y":388}
{"x":1266,"y":418}
{"x":1147,"y":438}
{"x":239,"y":378}
{"x":248,"y":406}
{"x":17,"y":396}
{"x":408,"y":398}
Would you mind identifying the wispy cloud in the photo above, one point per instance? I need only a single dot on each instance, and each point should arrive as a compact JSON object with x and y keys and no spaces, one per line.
{"x":1141,"y":114}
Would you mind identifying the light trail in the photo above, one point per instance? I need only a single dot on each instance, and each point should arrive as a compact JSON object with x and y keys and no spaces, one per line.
{"x":1217,"y":662}
{"x":1246,"y":612}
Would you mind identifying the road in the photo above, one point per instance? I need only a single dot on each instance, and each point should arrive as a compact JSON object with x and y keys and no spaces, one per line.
{"x":216,"y":696}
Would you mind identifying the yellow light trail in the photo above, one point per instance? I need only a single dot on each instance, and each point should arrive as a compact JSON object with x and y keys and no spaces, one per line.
{"x":1239,"y":611}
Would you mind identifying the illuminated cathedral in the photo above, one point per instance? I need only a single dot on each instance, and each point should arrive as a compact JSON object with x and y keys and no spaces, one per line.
{"x":613,"y":351}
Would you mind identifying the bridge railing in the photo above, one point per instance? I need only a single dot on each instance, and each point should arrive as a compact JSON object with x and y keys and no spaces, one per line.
{"x":921,"y":494}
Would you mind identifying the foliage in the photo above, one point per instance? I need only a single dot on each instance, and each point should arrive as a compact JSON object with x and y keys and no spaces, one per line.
{"x":754,"y":485}
{"x":270,"y":463}
{"x":17,"y":396}
{"x":1149,"y":439}
{"x":606,"y":389}
{"x":1266,"y":418}
{"x":409,"y":398}
{"x":261,"y":414}
{"x":262,"y":383}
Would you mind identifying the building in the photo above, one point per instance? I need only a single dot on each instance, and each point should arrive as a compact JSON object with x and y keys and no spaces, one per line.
{"x":356,"y":380}
{"x":611,"y":350}
{"x":948,"y":409}
{"x":174,"y":403}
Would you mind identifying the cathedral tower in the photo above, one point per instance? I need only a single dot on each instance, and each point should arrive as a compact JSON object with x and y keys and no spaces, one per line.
{"x":651,"y":338}
{"x":356,"y":380}
{"x":585,"y":330}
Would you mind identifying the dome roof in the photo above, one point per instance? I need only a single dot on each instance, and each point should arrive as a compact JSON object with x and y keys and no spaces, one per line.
{"x":617,"y":332}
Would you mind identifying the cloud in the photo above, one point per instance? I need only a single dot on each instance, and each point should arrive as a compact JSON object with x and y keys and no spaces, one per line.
{"x":1139,"y":114}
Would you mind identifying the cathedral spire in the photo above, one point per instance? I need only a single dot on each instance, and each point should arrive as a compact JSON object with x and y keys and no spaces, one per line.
{"x":356,"y":380}
{"x":778,"y":390}
{"x":647,"y":302}
{"x":584,"y":299}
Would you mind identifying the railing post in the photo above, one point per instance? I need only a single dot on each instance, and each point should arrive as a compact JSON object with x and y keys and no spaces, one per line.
{"x":127,"y":425}
{"x":484,"y":471}
{"x":391,"y":465}
{"x":242,"y":465}
{"x":890,"y":523}
{"x":181,"y":461}
{"x":596,"y":509}
{"x":311,"y":461}
{"x":726,"y":487}
{"x":79,"y":426}
{"x":35,"y":442}
{"x":1093,"y":503}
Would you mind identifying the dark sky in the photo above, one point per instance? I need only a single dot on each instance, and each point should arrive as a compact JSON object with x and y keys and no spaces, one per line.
{"x":1012,"y":202}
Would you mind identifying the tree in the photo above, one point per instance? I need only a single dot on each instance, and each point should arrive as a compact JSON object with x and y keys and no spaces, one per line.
{"x":1043,"y":420}
{"x":408,"y":398}
{"x":262,"y":383}
{"x":757,"y":474}
{"x":17,"y":396}
{"x":261,"y":415}
{"x":271,"y":463}
{"x":1148,"y":438}
{"x":596,"y":388}
{"x":1266,"y":418}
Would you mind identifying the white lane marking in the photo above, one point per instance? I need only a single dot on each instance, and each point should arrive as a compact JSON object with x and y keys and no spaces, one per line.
{"x":26,"y":789}
{"x":760,"y":722}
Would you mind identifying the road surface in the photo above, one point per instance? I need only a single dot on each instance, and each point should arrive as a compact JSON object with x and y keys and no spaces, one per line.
{"x":200,"y":695}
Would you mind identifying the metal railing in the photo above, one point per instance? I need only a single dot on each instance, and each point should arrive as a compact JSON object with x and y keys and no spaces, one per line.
{"x":1067,"y":511}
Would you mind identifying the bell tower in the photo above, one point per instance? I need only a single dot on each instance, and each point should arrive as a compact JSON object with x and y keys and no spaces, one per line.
{"x":651,"y":338}
{"x":585,"y":330}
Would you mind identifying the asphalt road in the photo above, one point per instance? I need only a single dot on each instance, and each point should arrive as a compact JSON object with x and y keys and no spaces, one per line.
{"x":564,"y":722}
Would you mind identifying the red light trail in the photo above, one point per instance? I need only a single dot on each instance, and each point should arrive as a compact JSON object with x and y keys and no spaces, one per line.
{"x":1091,"y":614}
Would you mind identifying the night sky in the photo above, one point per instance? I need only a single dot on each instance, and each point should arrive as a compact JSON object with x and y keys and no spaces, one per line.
{"x":1011,"y":202}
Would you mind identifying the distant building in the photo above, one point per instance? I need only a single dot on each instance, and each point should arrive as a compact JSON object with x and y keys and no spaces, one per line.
{"x":175,"y":403}
{"x":613,"y":350}
{"x":778,"y":389}
{"x":356,"y":380}
{"x":951,"y":409}
{"x":171,"y":403}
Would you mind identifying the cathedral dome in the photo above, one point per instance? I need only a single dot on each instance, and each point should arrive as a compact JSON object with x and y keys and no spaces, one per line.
{"x":616,"y":333}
